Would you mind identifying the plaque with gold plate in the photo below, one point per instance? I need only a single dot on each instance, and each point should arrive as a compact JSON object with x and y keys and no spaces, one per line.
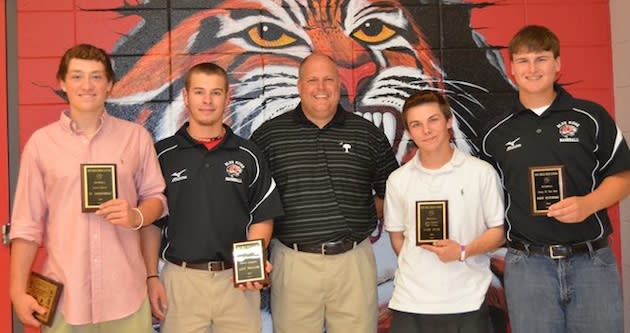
{"x":249,"y":262}
{"x":431,"y":221}
{"x":46,"y":292}
{"x":546,"y":187}
{"x":98,"y":184}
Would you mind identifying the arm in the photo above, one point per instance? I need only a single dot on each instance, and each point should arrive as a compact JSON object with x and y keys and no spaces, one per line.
{"x":397,"y":239}
{"x":576,"y":209}
{"x":22,"y":255}
{"x":150,"y":245}
{"x":378,"y":204}
{"x":261,"y":230}
{"x":449,"y":250}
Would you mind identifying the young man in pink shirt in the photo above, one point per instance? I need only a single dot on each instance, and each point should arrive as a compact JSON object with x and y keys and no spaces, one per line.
{"x":96,"y":255}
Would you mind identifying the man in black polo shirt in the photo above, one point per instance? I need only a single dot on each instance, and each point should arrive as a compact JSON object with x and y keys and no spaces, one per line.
{"x":563,"y":161}
{"x":219,"y":191}
{"x":328,"y":164}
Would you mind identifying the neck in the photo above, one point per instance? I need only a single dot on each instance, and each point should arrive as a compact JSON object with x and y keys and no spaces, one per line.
{"x":436,"y":159}
{"x":87,"y":122}
{"x":532,"y":101}
{"x":206,"y":133}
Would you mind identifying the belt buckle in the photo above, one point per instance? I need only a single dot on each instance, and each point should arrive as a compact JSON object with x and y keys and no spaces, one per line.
{"x":211,"y":263}
{"x":323,"y":248}
{"x":552,"y":254}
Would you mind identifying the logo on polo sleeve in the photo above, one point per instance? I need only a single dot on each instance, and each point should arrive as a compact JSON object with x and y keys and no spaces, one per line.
{"x":234,"y":169}
{"x":567,"y":130}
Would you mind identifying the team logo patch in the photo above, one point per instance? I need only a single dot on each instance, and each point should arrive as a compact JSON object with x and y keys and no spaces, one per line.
{"x":234,"y":169}
{"x":567,"y":130}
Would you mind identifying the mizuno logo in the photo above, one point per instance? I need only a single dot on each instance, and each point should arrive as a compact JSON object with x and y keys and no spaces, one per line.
{"x":511,"y":145}
{"x":178,"y":176}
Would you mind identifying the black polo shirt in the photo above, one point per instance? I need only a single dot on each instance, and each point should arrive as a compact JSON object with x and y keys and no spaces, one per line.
{"x":326,"y":177}
{"x":213,"y":195}
{"x":578,"y":134}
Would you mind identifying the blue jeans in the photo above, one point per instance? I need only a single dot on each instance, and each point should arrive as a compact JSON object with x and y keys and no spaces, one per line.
{"x":579,"y":294}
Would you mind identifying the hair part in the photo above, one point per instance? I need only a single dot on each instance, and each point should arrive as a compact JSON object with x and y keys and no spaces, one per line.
{"x":534,"y":38}
{"x":85,"y":52}
{"x":208,"y":68}
{"x":425,"y":97}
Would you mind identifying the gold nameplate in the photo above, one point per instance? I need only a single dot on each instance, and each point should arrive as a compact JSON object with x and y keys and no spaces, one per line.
{"x":98,"y":185}
{"x":546,"y":185}
{"x":431,"y":221}
{"x":46,"y":292}
{"x":249,"y":262}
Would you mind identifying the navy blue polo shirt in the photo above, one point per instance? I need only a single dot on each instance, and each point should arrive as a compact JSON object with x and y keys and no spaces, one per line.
{"x":575,"y":133}
{"x":326,"y":177}
{"x":213,"y":195}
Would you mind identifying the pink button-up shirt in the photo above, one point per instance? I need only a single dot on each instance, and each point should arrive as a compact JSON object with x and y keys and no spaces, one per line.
{"x":100,"y":264}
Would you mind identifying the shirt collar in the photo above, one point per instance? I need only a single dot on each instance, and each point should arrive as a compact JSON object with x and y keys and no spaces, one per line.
{"x":563,"y":101}
{"x":230,"y":140}
{"x":71,"y":125}
{"x":338,"y":119}
{"x":456,"y":160}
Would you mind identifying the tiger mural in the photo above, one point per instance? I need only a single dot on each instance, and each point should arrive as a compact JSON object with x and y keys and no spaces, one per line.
{"x":385,"y":51}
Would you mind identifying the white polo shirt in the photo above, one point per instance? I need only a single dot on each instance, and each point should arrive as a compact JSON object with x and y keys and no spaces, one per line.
{"x":424,"y":284}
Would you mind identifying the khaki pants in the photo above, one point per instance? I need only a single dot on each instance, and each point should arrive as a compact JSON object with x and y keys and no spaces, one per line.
{"x":203,"y":301}
{"x":139,"y":322}
{"x":311,"y":290}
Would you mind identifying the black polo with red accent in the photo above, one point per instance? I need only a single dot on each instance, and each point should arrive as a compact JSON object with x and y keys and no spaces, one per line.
{"x":213,"y":195}
{"x":576,"y":134}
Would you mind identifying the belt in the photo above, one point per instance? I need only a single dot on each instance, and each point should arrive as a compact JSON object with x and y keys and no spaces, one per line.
{"x":559,"y":251}
{"x":213,"y":266}
{"x":326,"y":248}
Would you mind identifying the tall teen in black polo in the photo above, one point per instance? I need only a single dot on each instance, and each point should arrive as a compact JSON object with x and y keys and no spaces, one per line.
{"x":560,"y":274}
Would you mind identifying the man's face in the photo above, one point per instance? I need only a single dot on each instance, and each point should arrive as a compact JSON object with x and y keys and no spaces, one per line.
{"x":319,"y":87}
{"x":535,"y":72}
{"x":206,"y":99}
{"x":429,"y":128}
{"x":86,"y":85}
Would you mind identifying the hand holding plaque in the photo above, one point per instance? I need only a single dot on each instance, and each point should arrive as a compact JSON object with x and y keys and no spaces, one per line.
{"x":249,"y":262}
{"x":98,"y":184}
{"x":46,"y":292}
{"x":546,"y":187}
{"x":431,"y":221}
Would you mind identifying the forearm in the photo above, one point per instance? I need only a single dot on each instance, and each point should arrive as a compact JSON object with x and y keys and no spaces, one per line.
{"x":151,"y":209}
{"x":612,"y":189}
{"x":486,"y":242}
{"x":261,"y":230}
{"x":150,"y":245}
{"x":378,"y":205}
{"x":23,"y":254}
{"x":397,"y":239}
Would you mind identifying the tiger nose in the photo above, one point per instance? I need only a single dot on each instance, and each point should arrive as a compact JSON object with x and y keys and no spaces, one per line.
{"x":354,"y":78}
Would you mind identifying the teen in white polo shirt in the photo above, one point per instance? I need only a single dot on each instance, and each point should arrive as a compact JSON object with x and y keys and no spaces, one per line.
{"x":440,"y":286}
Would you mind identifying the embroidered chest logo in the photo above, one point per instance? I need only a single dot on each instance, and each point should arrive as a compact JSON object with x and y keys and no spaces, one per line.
{"x":234,"y":169}
{"x":345,"y":146}
{"x":511,"y":145}
{"x":178,"y":176}
{"x":567,"y":130}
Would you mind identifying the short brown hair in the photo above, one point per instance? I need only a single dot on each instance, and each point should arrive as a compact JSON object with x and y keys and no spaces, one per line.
{"x":85,"y":52}
{"x":534,"y":38}
{"x":207,"y":68}
{"x":425,"y":97}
